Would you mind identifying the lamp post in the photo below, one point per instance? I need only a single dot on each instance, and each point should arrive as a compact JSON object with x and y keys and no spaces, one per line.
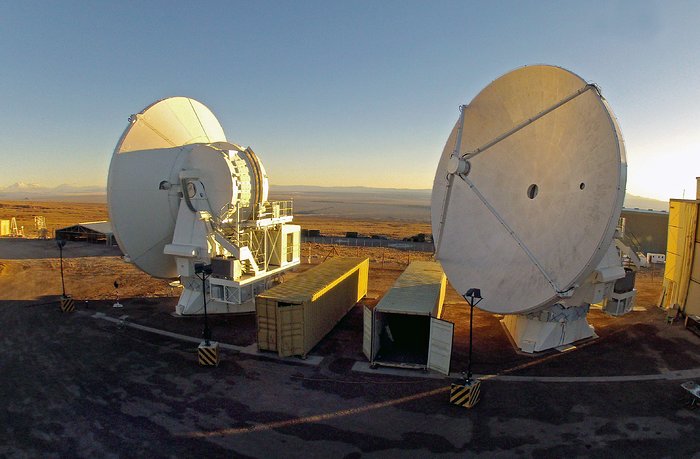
{"x":61,"y":243}
{"x":203,"y":272}
{"x":116,"y":289}
{"x":471,"y":295}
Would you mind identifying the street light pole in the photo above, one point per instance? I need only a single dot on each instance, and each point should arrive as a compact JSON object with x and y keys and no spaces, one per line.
{"x":205,"y":271}
{"x":61,"y":243}
{"x":472,"y":294}
{"x":471,"y":335}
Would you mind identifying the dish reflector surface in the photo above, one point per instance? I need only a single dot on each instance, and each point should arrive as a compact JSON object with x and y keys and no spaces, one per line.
{"x":171,"y":122}
{"x":536,"y":212}
{"x":155,"y":146}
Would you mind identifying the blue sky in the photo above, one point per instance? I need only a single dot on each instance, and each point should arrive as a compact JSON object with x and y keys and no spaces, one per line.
{"x":335,"y":93}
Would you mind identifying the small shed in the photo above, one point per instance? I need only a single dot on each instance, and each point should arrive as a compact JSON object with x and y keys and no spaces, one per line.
{"x":404,"y":329}
{"x":95,"y":232}
{"x":294,"y":316}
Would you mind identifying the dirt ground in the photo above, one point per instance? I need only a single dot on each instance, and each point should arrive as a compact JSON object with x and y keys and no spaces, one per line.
{"x":94,"y":384}
{"x":77,"y":385}
{"x":57,"y":214}
{"x":397,"y":229}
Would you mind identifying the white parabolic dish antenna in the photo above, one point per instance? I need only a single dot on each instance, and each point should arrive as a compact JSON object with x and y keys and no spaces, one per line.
{"x":180,"y":195}
{"x":528,"y":190}
{"x":143,"y":216}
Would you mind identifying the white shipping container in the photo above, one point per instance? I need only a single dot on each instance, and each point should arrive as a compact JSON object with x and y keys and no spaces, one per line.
{"x":404,"y":329}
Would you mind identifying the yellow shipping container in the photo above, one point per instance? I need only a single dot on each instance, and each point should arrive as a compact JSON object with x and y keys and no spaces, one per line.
{"x":682,"y":274}
{"x":294,"y":316}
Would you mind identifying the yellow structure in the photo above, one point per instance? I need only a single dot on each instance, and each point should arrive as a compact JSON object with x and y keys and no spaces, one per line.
{"x":10,"y":228}
{"x":682,"y":275}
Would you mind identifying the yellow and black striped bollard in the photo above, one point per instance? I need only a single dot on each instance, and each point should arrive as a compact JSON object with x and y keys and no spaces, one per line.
{"x":467,"y":394}
{"x":208,"y":354}
{"x":67,"y":304}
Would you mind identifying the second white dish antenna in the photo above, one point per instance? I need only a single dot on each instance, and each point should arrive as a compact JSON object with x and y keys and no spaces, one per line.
{"x":529,"y":189}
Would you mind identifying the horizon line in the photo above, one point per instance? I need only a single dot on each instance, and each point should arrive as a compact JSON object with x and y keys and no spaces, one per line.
{"x":103,"y":189}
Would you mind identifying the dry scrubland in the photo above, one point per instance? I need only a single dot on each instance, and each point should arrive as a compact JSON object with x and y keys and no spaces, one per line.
{"x":62,"y":214}
{"x":57,"y":214}
{"x":394,"y":229}
{"x":39,"y":273}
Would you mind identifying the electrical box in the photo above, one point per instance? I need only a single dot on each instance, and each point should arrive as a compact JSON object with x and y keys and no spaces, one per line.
{"x":227,"y":268}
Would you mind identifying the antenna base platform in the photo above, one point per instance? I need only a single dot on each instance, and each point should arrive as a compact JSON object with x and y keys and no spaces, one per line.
{"x":549,"y":328}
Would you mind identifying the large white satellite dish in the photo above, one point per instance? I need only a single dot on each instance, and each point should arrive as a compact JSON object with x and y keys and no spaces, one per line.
{"x":528,"y":193}
{"x":180,"y":194}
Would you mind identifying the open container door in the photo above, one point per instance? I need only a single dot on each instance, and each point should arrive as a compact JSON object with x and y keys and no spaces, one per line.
{"x":369,"y":344}
{"x":440,"y":347}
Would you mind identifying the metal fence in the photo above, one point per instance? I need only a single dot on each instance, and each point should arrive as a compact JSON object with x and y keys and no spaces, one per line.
{"x":369,"y":242}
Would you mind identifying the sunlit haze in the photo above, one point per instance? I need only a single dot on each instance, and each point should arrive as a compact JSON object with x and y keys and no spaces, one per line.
{"x":357,"y":93}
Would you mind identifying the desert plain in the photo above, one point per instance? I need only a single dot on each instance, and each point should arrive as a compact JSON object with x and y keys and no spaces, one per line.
{"x":105,"y":382}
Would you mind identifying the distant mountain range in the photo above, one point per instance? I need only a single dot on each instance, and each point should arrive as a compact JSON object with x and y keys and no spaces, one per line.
{"x":632,"y":201}
{"x":346,"y":189}
{"x":350,"y":190}
{"x":307,"y":198}
{"x":64,"y":192}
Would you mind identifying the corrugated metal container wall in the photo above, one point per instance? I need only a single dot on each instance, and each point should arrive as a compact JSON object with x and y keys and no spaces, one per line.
{"x":682,"y":274}
{"x":293,"y":317}
{"x":419,"y":290}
